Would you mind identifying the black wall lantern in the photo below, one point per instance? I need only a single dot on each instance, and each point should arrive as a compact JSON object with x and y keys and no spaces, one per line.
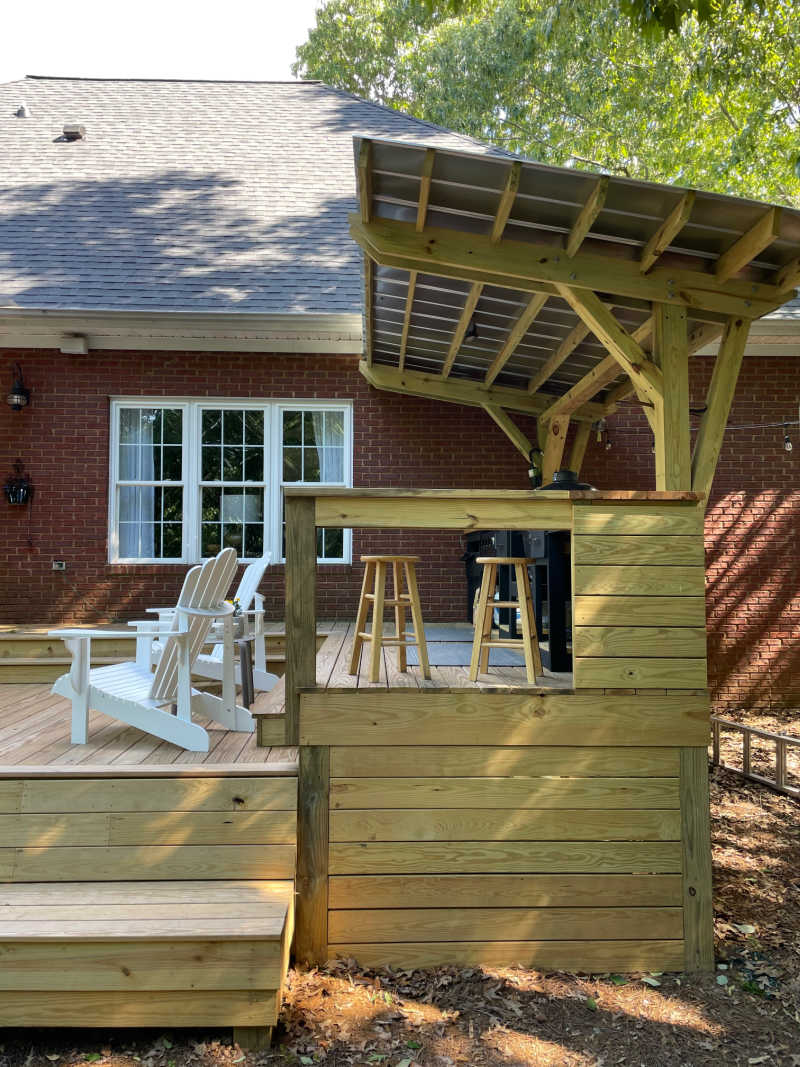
{"x":18,"y":487}
{"x":19,"y":397}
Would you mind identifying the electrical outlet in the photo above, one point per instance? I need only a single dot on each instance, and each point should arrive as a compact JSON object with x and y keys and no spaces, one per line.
{"x":59,"y":564}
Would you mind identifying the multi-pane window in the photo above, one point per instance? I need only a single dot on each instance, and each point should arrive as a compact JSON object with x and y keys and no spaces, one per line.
{"x":191,"y":477}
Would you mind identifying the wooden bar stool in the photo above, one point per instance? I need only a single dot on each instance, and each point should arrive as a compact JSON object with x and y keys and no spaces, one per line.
{"x":484,"y":613}
{"x":373,"y":591}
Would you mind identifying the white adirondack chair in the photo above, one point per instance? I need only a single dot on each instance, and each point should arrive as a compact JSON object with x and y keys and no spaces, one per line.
{"x":213,"y":664}
{"x":132,"y":693}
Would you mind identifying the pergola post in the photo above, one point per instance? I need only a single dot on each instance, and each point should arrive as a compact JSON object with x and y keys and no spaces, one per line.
{"x":671,"y":408}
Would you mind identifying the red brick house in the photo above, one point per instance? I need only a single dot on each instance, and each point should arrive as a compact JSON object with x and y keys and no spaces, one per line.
{"x":180,"y":291}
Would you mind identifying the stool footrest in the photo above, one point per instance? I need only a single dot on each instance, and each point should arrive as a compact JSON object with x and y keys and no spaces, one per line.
{"x":403,"y":601}
{"x":505,"y":603}
{"x":389,"y":640}
{"x":508,"y":643}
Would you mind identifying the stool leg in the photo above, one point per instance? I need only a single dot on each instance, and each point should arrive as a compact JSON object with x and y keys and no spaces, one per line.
{"x":523,"y":596}
{"x":361,"y":617}
{"x":416,"y":615}
{"x":537,"y":655}
{"x":479,"y":623}
{"x":488,"y":619}
{"x":399,"y":618}
{"x":376,"y":648}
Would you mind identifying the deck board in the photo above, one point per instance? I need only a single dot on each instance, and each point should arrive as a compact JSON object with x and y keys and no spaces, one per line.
{"x":35,"y":728}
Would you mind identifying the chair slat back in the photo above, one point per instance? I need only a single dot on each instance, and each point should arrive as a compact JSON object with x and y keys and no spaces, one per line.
{"x":204,"y":587}
{"x":248,"y":586}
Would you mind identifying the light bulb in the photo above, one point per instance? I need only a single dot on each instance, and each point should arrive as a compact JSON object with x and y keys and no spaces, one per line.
{"x":787,"y":443}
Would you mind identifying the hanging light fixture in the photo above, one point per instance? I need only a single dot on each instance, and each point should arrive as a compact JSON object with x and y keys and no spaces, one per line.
{"x":18,"y":487}
{"x":19,"y":397}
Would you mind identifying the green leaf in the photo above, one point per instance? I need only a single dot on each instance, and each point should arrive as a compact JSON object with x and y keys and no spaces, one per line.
{"x":648,"y":980}
{"x":591,"y":1004}
{"x":413,"y":1044}
{"x":618,"y":979}
{"x":722,"y":979}
{"x":92,"y":1057}
{"x":745,"y":928}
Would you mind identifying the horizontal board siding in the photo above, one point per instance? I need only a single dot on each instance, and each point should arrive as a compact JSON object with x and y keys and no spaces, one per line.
{"x":434,"y":761}
{"x":591,"y":957}
{"x":591,"y":580}
{"x":625,"y":550}
{"x":504,"y":825}
{"x":470,"y":511}
{"x":473,"y":717}
{"x":145,"y":828}
{"x":638,"y":519}
{"x":94,"y":863}
{"x":645,"y":673}
{"x":535,"y":793}
{"x":505,"y":890}
{"x":629,"y":641}
{"x":148,"y":965}
{"x":218,"y":1007}
{"x":148,"y":794}
{"x":504,"y":924}
{"x":511,"y":857}
{"x":639,"y":611}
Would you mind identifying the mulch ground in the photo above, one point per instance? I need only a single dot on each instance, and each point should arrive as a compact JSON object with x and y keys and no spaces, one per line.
{"x":747,"y":1013}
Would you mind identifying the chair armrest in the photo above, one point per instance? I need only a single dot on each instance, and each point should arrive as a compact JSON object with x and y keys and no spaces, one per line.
{"x":88,"y":634}
{"x":209,"y":613}
{"x":160,"y":611}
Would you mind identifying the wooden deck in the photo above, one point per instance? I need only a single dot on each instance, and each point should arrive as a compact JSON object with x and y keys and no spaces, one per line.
{"x":35,"y":728}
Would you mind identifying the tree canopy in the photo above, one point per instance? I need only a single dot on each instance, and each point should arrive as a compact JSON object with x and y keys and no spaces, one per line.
{"x":714,"y":105}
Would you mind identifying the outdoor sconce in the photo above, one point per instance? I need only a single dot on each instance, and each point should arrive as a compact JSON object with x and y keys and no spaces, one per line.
{"x":19,"y":397}
{"x":18,"y":487}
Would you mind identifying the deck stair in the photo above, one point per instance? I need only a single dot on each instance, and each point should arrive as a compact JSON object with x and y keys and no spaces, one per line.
{"x":27,"y":654}
{"x":146,"y":899}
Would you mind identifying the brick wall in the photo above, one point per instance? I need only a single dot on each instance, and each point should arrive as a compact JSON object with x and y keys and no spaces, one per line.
{"x":752,"y":533}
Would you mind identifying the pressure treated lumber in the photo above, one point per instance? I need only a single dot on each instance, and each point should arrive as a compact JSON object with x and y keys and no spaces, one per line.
{"x":504,"y":924}
{"x":460,"y":824}
{"x":201,"y":1008}
{"x":587,"y":217}
{"x":506,"y":202}
{"x":510,"y":429}
{"x":639,"y":611}
{"x":412,"y":285}
{"x":510,"y":857}
{"x":638,"y":581}
{"x":484,"y":793}
{"x":475,"y":717}
{"x":592,"y":957}
{"x":631,"y":641}
{"x":439,"y":761}
{"x":646,"y":549}
{"x":517,"y":332}
{"x":671,"y":411}
{"x":749,"y":245}
{"x":589,"y":386}
{"x":583,"y":432}
{"x":577,"y":334}
{"x":425,"y":188}
{"x":473,"y":296}
{"x":662,"y":519}
{"x":667,"y":231}
{"x":313,"y":854}
{"x":301,"y":576}
{"x":718,"y":404}
{"x":555,"y":439}
{"x":505,"y":890}
{"x":697,"y":906}
{"x":640,"y":672}
{"x":521,"y":265}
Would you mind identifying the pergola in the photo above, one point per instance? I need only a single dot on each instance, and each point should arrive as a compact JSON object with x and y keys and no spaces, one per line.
{"x":516,"y":287}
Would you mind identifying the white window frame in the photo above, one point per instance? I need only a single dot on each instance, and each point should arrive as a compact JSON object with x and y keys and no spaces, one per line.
{"x":192,"y":409}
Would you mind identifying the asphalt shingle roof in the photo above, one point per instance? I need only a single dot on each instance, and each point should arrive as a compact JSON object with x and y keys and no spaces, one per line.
{"x":185,"y":195}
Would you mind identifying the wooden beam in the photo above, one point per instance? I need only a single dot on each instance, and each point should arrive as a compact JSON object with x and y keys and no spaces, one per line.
{"x":412,"y":285}
{"x":425,"y":188}
{"x":369,"y":273}
{"x":365,"y":180}
{"x":586,"y":219}
{"x":553,"y":448}
{"x":698,"y":916}
{"x":645,"y":375}
{"x":301,"y":625}
{"x":671,"y":422}
{"x":551,"y":365}
{"x":518,"y":331}
{"x":589,"y":385}
{"x":788,"y":277}
{"x":313,"y":818}
{"x":583,"y":432}
{"x":507,"y":198}
{"x":529,"y":267}
{"x":511,"y":430}
{"x":473,"y":296}
{"x":718,"y":405}
{"x":667,"y":231}
{"x":460,"y":391}
{"x":749,"y":245}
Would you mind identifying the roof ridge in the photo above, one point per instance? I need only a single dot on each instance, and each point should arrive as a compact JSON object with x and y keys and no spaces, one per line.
{"x":413,"y":118}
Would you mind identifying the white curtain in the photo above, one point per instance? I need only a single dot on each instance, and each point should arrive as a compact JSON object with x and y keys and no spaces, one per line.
{"x":328,"y":439}
{"x":137,"y":503}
